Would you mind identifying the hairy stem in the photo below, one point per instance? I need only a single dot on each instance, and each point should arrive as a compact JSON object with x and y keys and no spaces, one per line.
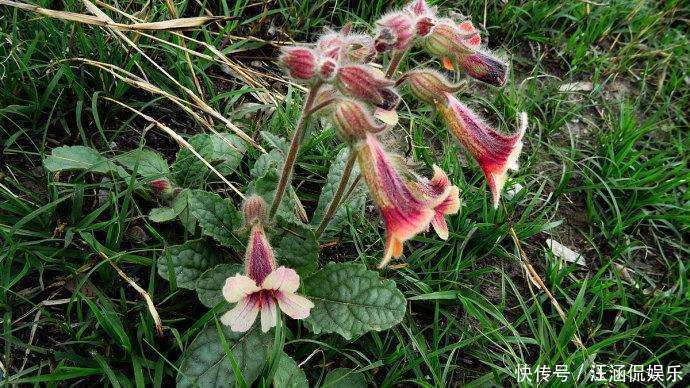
{"x":338,"y":196}
{"x":394,"y":63}
{"x":294,"y":147}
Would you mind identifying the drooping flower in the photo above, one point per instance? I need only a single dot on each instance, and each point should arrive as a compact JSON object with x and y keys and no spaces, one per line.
{"x":300,"y":62}
{"x":428,"y":85}
{"x":407,"y":204}
{"x":263,"y":285}
{"x":460,"y":45}
{"x":368,"y":84}
{"x":494,"y":152}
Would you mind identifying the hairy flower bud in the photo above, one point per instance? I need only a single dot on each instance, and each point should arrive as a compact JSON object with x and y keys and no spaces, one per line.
{"x":353,"y":119}
{"x":163,"y":188}
{"x":459,"y":45}
{"x":429,"y":85}
{"x":254,"y":210}
{"x":484,"y":67}
{"x":368,"y":84}
{"x":345,"y":45}
{"x":395,"y":31}
{"x":446,"y":40}
{"x":326,"y":68}
{"x":420,"y":8}
{"x":300,"y":62}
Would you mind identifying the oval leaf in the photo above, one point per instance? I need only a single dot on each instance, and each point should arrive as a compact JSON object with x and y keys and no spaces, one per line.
{"x":351,"y":300}
{"x":217,"y":216}
{"x":344,"y":378}
{"x":288,"y":374}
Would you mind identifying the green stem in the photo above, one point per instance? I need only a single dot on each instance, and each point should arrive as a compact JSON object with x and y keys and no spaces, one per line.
{"x":338,"y":196}
{"x":294,"y":147}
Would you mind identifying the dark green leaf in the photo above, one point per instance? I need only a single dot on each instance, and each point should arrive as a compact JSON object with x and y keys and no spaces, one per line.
{"x":187,"y":262}
{"x":205,"y":363}
{"x":351,"y":300}
{"x":209,"y":286}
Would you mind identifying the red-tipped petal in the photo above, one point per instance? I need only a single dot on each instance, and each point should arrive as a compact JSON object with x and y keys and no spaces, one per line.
{"x":494,"y":152}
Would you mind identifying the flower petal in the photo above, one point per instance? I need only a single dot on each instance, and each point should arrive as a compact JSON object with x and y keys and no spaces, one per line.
{"x":242,"y":317}
{"x":237,"y":287}
{"x":282,"y":279}
{"x":295,"y":306}
{"x":269,"y":314}
{"x":440,"y":226}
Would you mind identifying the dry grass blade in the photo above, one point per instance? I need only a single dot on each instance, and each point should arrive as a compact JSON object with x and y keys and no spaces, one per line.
{"x":534,"y":277}
{"x":166,"y":25}
{"x":197,"y":101}
{"x":141,"y":291}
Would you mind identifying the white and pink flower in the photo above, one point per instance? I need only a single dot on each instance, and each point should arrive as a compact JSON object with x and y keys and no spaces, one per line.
{"x":264,"y":288}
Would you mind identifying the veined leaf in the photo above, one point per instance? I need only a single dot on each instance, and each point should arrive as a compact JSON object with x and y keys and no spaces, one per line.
{"x":351,"y":300}
{"x":187,"y":262}
{"x":205,"y":363}
{"x":217,"y":216}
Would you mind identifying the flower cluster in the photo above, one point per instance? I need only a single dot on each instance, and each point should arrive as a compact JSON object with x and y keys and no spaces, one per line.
{"x":346,"y":85}
{"x":359,"y":99}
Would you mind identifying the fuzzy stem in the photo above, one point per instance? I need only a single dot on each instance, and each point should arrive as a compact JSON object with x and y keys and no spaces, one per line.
{"x":394,"y":63}
{"x":338,"y":196}
{"x":294,"y":147}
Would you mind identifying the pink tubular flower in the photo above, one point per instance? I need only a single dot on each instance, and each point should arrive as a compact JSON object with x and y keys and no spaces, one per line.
{"x":264,"y":285}
{"x":408,"y":205}
{"x":395,"y":31}
{"x":368,"y":84}
{"x":495,"y":153}
{"x":300,"y":62}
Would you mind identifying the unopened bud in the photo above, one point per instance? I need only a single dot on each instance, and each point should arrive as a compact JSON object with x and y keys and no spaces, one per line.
{"x":429,"y":85}
{"x":162,"y":188}
{"x":420,"y":8}
{"x":368,"y":84}
{"x":254,"y":209}
{"x":327,"y":68}
{"x":446,"y":40}
{"x":353,"y":119}
{"x":300,"y":62}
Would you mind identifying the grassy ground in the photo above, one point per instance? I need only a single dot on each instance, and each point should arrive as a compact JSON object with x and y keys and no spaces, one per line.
{"x":604,"y":171}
